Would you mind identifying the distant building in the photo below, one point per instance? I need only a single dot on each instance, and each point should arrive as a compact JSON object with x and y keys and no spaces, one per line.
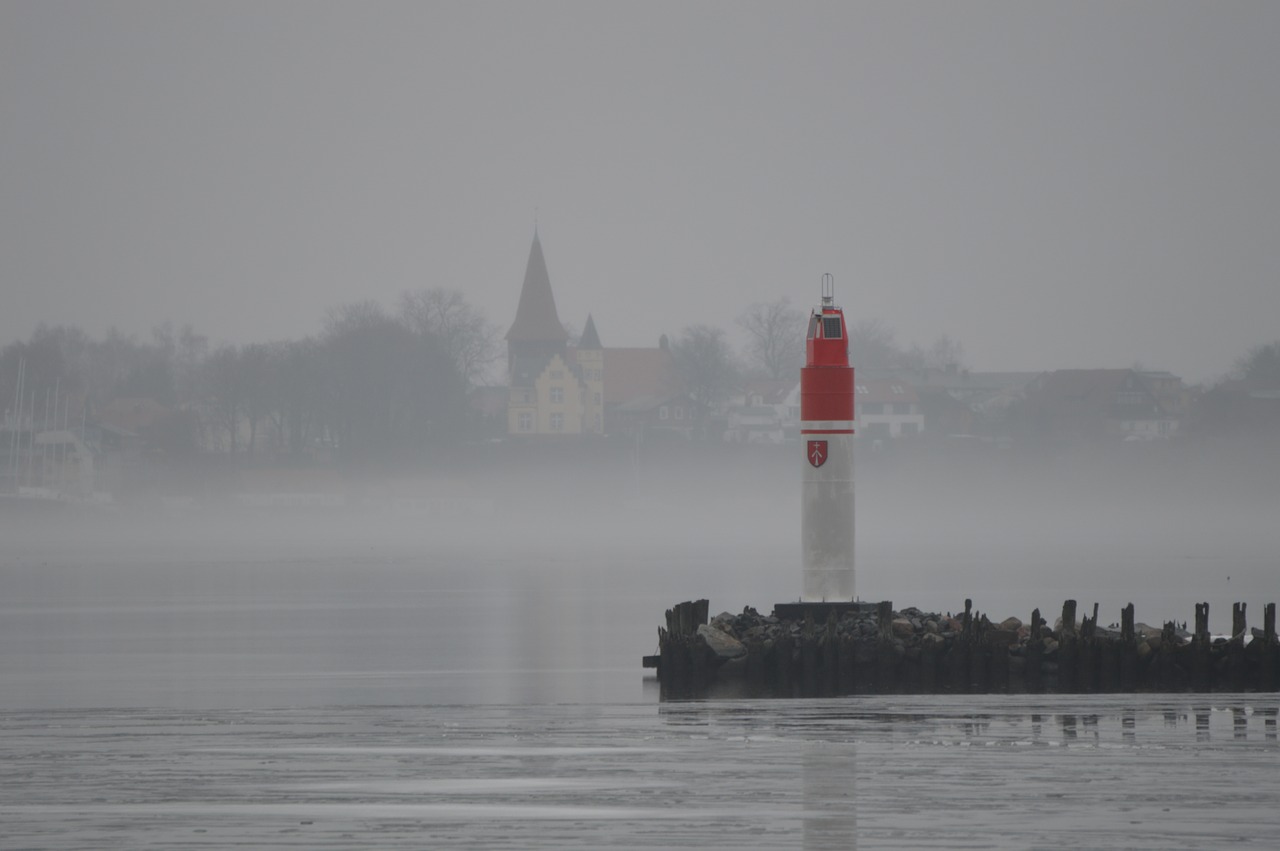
{"x":1083,"y":405}
{"x":887,"y":409}
{"x":960,"y":402}
{"x":762,"y":413}
{"x":556,"y":388}
{"x":1173,"y":395}
{"x":550,"y":393}
{"x":945,"y":414}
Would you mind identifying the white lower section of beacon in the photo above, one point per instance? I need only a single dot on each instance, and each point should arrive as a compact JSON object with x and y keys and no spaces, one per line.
{"x":826,"y":522}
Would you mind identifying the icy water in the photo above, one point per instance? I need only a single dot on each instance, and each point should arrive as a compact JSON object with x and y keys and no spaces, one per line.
{"x":1149,"y":772}
{"x":190,"y":688}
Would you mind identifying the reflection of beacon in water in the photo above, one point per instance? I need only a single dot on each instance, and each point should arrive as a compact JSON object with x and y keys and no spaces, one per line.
{"x":826,"y":434}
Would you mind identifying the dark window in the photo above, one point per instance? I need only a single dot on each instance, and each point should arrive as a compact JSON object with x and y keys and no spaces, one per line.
{"x":831,"y":327}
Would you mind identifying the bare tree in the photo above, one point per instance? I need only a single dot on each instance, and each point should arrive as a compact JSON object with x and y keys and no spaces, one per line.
{"x":469,"y":339}
{"x":392,"y":392}
{"x":297,"y":393}
{"x":871,"y":344}
{"x":945,"y":354}
{"x":1260,"y":363}
{"x":704,"y":364}
{"x":776,"y":337}
{"x":186,"y":351}
{"x":224,"y":390}
{"x":258,"y":363}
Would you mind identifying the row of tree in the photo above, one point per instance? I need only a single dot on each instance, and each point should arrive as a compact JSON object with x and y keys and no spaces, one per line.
{"x":376,"y":381}
{"x":370,"y":384}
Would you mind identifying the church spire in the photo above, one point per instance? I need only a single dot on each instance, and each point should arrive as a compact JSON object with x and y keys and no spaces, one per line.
{"x":536,"y":318}
{"x":590,"y":339}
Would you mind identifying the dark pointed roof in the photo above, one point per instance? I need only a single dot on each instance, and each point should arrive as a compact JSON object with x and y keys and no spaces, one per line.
{"x":590,"y":339}
{"x":536,"y":318}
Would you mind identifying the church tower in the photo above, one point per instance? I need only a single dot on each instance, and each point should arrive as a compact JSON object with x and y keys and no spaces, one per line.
{"x":547,"y":395}
{"x":537,"y":332}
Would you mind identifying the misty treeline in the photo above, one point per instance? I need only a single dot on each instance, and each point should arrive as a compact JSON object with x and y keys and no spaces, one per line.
{"x":377,"y":382}
{"x":372,"y":383}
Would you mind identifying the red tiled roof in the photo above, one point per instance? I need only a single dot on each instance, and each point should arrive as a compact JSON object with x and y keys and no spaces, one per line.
{"x":1080,"y":384}
{"x":629,"y":373}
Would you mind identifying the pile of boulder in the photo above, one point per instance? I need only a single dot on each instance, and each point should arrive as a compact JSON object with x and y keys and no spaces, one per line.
{"x":727,"y":634}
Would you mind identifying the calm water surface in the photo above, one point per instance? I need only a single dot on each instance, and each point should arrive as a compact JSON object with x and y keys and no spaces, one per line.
{"x":1151,"y":772}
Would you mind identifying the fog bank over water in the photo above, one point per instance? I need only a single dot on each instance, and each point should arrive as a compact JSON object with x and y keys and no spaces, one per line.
{"x":545,"y":581}
{"x":1156,"y":525}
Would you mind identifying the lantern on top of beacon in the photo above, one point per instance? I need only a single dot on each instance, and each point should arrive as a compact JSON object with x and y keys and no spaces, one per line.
{"x":826,"y":435}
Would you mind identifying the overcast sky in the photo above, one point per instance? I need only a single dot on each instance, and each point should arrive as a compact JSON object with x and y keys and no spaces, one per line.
{"x":1053,"y":184}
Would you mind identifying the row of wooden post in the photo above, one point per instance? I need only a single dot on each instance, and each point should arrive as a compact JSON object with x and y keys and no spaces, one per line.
{"x":979,"y":659}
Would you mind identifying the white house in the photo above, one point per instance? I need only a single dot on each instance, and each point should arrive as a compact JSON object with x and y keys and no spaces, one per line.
{"x":887,"y":409}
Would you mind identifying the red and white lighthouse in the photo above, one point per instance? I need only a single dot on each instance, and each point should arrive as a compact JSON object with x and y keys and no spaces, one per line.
{"x":826,"y":435}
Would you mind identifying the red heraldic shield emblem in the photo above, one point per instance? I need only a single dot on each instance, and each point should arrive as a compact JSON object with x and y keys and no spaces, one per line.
{"x":817,"y":452}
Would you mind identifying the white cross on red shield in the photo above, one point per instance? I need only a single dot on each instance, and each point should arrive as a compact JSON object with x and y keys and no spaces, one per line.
{"x":817,"y":452}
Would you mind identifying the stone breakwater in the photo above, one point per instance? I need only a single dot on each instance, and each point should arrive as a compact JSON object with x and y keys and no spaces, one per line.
{"x":831,"y":649}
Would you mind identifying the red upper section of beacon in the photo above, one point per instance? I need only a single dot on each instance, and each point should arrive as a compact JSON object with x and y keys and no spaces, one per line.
{"x":828,"y":344}
{"x":826,"y":382}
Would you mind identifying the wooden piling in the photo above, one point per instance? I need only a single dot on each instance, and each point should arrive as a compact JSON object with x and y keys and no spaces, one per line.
{"x":1200,"y":665}
{"x":1127,"y":651}
{"x":1069,"y":618}
{"x":1268,"y":654}
{"x":1088,"y":662}
{"x":1032,"y":653}
{"x":1106,"y":651}
{"x":783,"y":653}
{"x":928,"y":682}
{"x":1166,"y":669}
{"x":1068,"y":673}
{"x":885,"y":654}
{"x":1236,"y":660}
